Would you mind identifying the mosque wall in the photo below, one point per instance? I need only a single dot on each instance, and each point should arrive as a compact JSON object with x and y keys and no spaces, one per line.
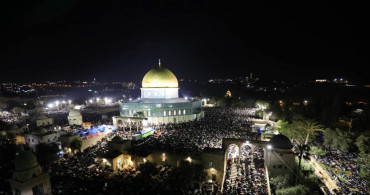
{"x":33,"y":140}
{"x":43,"y":122}
{"x":214,"y":164}
{"x":171,"y":159}
{"x":281,"y":162}
{"x":67,"y":140}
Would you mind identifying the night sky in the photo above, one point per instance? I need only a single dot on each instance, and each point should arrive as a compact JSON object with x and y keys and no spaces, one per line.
{"x":196,"y":39}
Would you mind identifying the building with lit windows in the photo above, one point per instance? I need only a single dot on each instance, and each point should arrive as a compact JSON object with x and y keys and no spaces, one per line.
{"x":160,"y":102}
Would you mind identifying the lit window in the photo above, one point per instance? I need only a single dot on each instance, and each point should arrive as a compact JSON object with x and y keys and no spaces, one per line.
{"x":184,"y":111}
{"x":164,"y":113}
{"x":148,"y":113}
{"x":179,"y":112}
{"x":169,"y":113}
{"x":174,"y":112}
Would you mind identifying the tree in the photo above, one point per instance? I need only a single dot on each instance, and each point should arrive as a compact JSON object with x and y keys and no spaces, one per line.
{"x":301,"y":131}
{"x":300,"y":189}
{"x":308,"y":126}
{"x":259,"y":113}
{"x":76,"y":144}
{"x":47,"y":153}
{"x":338,"y":139}
{"x":279,"y":182}
{"x":343,"y":140}
{"x":285,"y":128}
{"x":317,"y":151}
{"x":329,"y":136}
{"x":184,"y":177}
{"x":12,"y":138}
{"x":262,"y":105}
{"x":363,"y":144}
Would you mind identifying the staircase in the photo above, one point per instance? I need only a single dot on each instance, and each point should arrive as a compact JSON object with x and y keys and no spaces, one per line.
{"x":233,"y":174}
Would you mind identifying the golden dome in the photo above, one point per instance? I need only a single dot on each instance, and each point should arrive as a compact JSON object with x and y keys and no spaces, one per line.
{"x":160,"y":78}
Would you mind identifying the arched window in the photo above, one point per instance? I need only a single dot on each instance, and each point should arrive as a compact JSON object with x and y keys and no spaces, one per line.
{"x":164,"y":113}
{"x":169,"y":113}
{"x":179,"y":112}
{"x":184,"y":111}
{"x":149,"y":113}
{"x":174,"y":112}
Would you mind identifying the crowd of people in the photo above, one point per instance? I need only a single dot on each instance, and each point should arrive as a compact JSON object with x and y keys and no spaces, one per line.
{"x":73,"y":175}
{"x":192,"y":137}
{"x":244,"y":176}
{"x":80,"y":174}
{"x":344,"y":170}
{"x":11,"y":118}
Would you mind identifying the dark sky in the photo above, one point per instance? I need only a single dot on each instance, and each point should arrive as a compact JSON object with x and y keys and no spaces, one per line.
{"x":197,"y":39}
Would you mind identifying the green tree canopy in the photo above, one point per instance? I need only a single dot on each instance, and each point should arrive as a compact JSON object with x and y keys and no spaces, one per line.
{"x":338,"y":139}
{"x":262,"y":105}
{"x":307,"y":127}
{"x":184,"y":177}
{"x":363,"y":144}
{"x":76,"y":144}
{"x":300,"y":189}
{"x":317,"y":151}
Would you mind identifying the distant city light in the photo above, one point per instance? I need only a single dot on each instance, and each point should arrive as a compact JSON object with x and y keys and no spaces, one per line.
{"x":50,"y":105}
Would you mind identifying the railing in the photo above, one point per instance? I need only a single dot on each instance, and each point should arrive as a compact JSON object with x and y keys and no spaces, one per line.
{"x":268,"y":181}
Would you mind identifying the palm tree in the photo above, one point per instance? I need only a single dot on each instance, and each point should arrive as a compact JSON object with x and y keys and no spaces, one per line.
{"x":308,"y":127}
{"x":303,"y":129}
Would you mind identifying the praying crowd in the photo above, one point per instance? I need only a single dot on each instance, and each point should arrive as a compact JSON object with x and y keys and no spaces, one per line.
{"x":192,"y":137}
{"x":80,"y":174}
{"x":347,"y":171}
{"x":244,"y":176}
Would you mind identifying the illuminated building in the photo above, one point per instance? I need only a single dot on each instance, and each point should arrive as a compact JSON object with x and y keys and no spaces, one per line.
{"x":160,"y":101}
{"x":75,"y":117}
{"x":41,"y":135}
